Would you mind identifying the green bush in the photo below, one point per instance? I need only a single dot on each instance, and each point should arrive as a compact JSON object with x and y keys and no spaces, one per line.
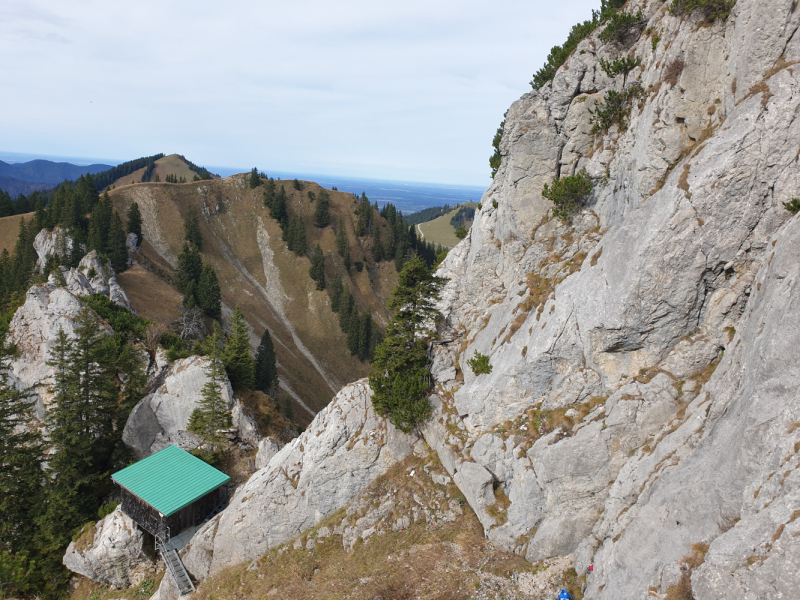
{"x":494,"y":203}
{"x":559,"y":54}
{"x":614,"y":110}
{"x":107,"y":508}
{"x":120,"y":319}
{"x":711,"y":9}
{"x":793,"y":206}
{"x":620,"y":25}
{"x":568,"y":194}
{"x":480,"y":364}
{"x":209,"y":456}
{"x":175,"y":347}
{"x":621,"y":65}
{"x":461,"y":233}
{"x":495,"y":159}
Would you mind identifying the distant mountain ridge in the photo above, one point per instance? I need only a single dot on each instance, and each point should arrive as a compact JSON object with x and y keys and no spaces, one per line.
{"x":46,"y":171}
{"x":28,"y":177}
{"x":14,"y":187}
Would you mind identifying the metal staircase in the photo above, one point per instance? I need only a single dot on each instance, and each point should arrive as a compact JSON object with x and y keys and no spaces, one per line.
{"x":174,"y":565}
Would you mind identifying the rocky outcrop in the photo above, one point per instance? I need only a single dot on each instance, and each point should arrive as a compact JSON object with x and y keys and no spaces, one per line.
{"x":92,"y":277}
{"x":110,"y":551}
{"x":33,"y":330}
{"x":51,"y":308}
{"x":344,"y":449}
{"x":49,"y":244}
{"x":246,"y":428}
{"x":160,"y":419}
{"x":726,"y":475}
{"x":602,"y":332}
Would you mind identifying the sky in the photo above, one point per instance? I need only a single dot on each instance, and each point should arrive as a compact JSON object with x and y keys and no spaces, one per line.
{"x":409,"y":91}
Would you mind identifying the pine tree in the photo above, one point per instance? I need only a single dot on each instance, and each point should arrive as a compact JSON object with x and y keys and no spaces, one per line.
{"x":99,"y":224}
{"x":135,"y":221}
{"x":269,"y":194}
{"x":266,"y":371}
{"x":236,"y":355}
{"x":254,"y":180}
{"x":365,"y":336}
{"x":296,"y":236}
{"x":335,"y":292}
{"x":117,"y":249}
{"x":317,"y":270}
{"x":24,"y":261}
{"x":377,"y":244}
{"x":212,"y":416}
{"x":322,"y":215}
{"x":288,"y":410}
{"x":190,"y":266}
{"x":347,"y":304}
{"x":279,"y":210}
{"x":21,"y":455}
{"x":400,"y":376}
{"x":82,"y":423}
{"x":343,"y":244}
{"x":191,"y":230}
{"x":208,"y":294}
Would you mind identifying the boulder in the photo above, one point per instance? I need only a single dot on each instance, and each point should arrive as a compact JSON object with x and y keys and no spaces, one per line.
{"x":161,"y":418}
{"x":244,"y":425}
{"x":110,"y":551}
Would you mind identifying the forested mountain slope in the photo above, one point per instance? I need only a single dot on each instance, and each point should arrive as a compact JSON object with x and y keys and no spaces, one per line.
{"x":270,"y":283}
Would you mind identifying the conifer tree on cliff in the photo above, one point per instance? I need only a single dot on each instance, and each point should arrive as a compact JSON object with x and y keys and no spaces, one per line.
{"x":212,"y":416}
{"x":266,"y":371}
{"x":236,"y":356}
{"x":400,"y":376}
{"x":343,"y":244}
{"x":322,"y":214}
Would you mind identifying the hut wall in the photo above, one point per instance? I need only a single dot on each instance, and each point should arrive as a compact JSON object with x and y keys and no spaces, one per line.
{"x":145,"y":515}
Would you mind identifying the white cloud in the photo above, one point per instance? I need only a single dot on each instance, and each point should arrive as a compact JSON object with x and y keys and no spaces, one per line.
{"x":410,"y":90}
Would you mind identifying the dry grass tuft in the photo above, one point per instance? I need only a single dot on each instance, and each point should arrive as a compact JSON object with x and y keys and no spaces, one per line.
{"x":673,"y":72}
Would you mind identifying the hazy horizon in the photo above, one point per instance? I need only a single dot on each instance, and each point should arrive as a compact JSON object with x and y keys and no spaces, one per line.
{"x":410,"y":92}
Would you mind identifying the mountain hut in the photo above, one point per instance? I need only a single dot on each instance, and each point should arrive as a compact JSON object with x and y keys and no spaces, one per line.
{"x":170,"y":491}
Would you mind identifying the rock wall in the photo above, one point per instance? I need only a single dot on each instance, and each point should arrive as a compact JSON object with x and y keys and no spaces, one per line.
{"x":603,"y":333}
{"x":50,"y":308}
{"x":343,"y":450}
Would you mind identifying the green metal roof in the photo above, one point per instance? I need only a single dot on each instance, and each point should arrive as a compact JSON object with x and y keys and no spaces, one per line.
{"x":170,"y":479}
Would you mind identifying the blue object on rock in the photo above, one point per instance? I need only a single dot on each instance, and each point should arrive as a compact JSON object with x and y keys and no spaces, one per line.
{"x":564,"y":595}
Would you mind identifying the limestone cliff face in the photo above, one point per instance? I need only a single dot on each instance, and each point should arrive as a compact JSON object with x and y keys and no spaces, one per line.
{"x":50,"y":308}
{"x":605,"y":330}
{"x":345,"y":448}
